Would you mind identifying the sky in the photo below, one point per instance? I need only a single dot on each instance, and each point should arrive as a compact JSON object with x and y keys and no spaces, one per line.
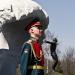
{"x":61,"y":20}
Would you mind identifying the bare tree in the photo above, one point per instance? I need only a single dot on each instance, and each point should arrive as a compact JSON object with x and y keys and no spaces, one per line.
{"x":68,"y":64}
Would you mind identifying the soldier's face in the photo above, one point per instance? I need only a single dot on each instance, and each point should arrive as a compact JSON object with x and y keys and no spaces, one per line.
{"x":36,"y":30}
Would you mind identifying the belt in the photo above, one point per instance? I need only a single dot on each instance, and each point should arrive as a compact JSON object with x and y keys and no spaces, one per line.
{"x":37,"y":67}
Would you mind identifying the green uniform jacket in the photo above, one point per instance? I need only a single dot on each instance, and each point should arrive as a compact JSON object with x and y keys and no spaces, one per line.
{"x":27,"y":58}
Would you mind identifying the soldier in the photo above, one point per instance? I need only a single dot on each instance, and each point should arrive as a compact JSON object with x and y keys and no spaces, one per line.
{"x":32,"y":58}
{"x":53,"y":46}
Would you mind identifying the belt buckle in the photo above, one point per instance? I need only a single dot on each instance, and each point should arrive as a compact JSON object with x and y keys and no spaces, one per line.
{"x":37,"y":67}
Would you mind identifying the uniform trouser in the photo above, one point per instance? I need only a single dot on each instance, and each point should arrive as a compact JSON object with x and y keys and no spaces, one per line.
{"x":35,"y":72}
{"x":7,"y":63}
{"x":55,"y":58}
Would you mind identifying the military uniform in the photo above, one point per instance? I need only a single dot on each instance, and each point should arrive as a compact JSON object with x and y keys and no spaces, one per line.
{"x":32,"y":59}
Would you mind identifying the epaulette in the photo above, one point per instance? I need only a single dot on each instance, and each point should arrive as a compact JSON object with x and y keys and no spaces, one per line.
{"x":29,"y":41}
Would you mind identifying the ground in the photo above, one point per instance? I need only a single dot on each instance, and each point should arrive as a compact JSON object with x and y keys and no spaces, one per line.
{"x":55,"y":73}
